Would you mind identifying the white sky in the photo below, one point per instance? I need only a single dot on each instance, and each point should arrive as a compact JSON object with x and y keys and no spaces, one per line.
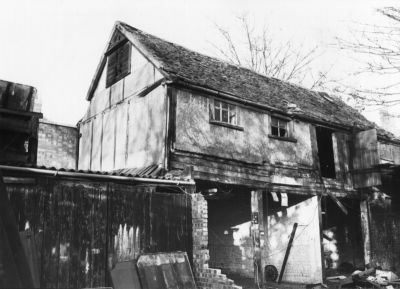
{"x":55,"y":45}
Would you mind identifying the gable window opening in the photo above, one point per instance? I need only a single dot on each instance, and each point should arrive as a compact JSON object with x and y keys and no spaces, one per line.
{"x":279,"y":127}
{"x":118,"y":62}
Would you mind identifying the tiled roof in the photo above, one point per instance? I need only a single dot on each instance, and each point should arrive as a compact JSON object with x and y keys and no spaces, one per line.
{"x":195,"y":68}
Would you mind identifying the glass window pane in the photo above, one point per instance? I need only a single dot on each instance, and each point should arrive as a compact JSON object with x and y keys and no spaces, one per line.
{"x":282,"y":132}
{"x":224,"y":105}
{"x":217,"y":114}
{"x":225,"y":116}
{"x":274,"y":121}
{"x":217,"y":103}
{"x":274,"y":131}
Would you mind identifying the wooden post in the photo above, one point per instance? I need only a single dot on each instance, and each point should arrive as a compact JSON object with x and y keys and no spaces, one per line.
{"x":365,"y":231}
{"x":287,"y":252}
{"x":255,"y":233}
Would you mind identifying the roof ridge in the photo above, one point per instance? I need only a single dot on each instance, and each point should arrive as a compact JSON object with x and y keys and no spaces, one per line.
{"x":215,"y":58}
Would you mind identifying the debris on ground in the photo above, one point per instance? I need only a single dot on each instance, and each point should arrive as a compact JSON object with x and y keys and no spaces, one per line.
{"x":369,"y":278}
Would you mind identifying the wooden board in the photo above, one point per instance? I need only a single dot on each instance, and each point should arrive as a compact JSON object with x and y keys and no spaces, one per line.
{"x":95,"y":163}
{"x":121,"y":135}
{"x":108,"y":140}
{"x":166,"y":270}
{"x":365,"y":159}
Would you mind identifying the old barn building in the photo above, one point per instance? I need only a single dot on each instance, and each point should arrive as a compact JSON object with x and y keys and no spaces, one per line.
{"x":270,"y":159}
{"x":256,"y":179}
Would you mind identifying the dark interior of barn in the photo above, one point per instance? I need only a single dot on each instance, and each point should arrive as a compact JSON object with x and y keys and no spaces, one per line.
{"x":342,"y":237}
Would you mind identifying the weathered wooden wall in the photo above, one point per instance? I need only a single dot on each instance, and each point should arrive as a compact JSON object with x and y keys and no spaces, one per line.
{"x":122,"y":128}
{"x":385,"y":235}
{"x":384,"y":219}
{"x":82,"y":229}
{"x":389,"y":152}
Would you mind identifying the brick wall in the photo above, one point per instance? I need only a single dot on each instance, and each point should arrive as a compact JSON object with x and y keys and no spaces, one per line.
{"x":205,"y":277}
{"x":57,"y":145}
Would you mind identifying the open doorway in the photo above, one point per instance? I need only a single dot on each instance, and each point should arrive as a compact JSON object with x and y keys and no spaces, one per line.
{"x":342,"y":237}
{"x":325,"y":152}
{"x":229,"y":239}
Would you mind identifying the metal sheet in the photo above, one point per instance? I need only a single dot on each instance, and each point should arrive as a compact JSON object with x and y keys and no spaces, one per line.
{"x":165,"y":271}
{"x":125,"y":276}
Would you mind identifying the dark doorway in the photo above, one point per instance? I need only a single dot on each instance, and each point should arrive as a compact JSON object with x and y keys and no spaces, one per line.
{"x":325,"y":152}
{"x":229,"y":239}
{"x":342,"y":241}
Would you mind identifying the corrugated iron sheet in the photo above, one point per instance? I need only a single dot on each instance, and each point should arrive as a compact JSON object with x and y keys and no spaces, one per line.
{"x":165,"y":271}
{"x":150,"y":172}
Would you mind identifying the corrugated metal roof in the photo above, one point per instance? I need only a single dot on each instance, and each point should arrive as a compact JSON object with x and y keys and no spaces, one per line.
{"x":150,"y":172}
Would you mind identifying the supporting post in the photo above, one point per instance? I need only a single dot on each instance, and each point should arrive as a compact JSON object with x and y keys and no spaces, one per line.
{"x":365,"y":230}
{"x":255,"y":232}
{"x":287,"y":253}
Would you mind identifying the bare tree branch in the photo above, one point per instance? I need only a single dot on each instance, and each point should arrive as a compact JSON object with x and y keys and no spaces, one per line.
{"x":378,"y":47}
{"x":260,"y":53}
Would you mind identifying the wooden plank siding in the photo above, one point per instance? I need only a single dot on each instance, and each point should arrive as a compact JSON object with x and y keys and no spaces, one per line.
{"x":81,"y":229}
{"x":125,"y":124}
{"x":365,"y":159}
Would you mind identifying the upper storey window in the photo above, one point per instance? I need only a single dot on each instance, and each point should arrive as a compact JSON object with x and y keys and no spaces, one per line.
{"x":118,"y":62}
{"x":225,"y":114}
{"x":279,"y":127}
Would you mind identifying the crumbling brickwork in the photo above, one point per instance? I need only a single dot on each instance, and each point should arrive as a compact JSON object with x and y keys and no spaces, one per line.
{"x":205,"y":277}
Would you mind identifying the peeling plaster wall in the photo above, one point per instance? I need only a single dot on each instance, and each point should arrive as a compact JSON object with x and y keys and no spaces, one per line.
{"x":122,"y":129}
{"x":194,"y":133}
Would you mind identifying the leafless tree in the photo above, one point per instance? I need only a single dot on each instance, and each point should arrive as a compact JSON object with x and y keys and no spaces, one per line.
{"x":263,"y":54}
{"x":377,"y":48}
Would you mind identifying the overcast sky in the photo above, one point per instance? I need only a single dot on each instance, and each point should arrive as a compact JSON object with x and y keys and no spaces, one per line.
{"x":55,"y":45}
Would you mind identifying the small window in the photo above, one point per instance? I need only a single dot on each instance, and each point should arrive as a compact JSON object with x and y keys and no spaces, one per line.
{"x":118,"y":62}
{"x":225,"y":113}
{"x":279,"y":127}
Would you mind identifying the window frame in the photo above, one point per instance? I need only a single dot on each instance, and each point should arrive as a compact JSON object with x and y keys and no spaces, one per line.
{"x":226,"y":111}
{"x":288,"y":127}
